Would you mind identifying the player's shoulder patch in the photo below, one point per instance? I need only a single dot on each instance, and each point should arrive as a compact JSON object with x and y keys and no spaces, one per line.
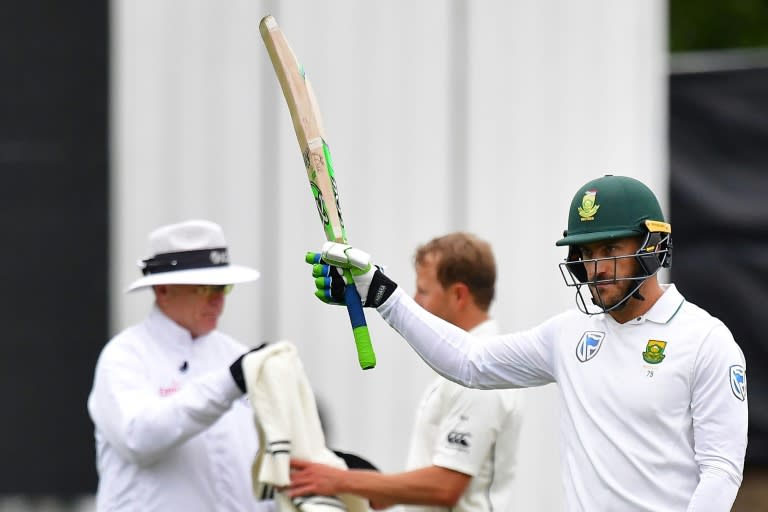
{"x":738,"y":378}
{"x":589,"y":344}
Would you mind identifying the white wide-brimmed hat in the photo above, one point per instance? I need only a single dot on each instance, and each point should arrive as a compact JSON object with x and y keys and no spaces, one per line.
{"x":190,"y":252}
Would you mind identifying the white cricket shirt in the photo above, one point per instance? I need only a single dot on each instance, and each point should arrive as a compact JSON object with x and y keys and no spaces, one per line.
{"x":654,"y":411}
{"x":173,"y":431}
{"x":471,"y":431}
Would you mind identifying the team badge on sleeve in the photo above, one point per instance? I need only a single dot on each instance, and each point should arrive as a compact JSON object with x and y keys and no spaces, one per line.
{"x":738,"y":377}
{"x":589,"y":344}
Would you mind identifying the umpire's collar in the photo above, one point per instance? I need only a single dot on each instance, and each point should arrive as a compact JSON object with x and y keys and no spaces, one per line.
{"x":166,"y":330}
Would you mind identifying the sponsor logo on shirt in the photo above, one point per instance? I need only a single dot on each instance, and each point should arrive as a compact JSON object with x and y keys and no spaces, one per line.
{"x":589,"y":344}
{"x":166,"y":391}
{"x":738,"y":377}
{"x":459,"y":439}
{"x":654,"y":351}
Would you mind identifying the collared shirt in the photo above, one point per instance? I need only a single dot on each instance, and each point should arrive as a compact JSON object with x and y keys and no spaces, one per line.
{"x":471,"y":431}
{"x":173,"y":431}
{"x":654,"y":411}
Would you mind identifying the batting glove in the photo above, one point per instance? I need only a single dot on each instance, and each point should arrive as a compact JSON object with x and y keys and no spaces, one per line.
{"x":340,"y":264}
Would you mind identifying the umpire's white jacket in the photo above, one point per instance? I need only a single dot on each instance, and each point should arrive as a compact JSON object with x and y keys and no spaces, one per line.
{"x":173,"y":431}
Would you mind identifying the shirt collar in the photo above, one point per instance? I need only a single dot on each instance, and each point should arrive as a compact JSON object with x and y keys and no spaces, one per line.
{"x":487,"y":328}
{"x":166,"y":329}
{"x":665,"y":308}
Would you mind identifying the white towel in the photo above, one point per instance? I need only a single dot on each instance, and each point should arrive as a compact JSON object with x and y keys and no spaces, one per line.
{"x":286,"y":419}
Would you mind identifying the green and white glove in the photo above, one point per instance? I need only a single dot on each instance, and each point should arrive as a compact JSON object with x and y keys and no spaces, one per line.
{"x":328,"y":269}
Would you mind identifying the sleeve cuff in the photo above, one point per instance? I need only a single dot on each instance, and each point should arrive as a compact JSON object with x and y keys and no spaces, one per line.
{"x":391,"y":301}
{"x":225,"y":383}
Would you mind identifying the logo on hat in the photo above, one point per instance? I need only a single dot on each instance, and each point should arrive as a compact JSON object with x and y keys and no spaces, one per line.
{"x":589,"y":205}
{"x":654,"y":351}
{"x":219,"y":257}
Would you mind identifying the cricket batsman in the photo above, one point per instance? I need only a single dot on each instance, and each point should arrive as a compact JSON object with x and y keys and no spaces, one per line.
{"x":653,"y":389}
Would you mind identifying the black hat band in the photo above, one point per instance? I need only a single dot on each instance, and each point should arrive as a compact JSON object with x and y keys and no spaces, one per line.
{"x":185,"y":260}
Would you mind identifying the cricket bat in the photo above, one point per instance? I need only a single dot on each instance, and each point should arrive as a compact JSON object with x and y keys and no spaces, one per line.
{"x":308,"y":126}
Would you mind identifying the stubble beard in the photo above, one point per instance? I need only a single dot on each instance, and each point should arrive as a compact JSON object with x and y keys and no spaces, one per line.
{"x":605,"y":303}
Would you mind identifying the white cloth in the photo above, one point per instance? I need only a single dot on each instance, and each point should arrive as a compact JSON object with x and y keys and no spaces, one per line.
{"x":471,"y":431}
{"x":286,"y":418}
{"x":635,"y":435}
{"x":173,"y":431}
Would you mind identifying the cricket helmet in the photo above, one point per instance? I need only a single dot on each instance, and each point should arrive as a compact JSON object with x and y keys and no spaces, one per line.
{"x":614,"y":207}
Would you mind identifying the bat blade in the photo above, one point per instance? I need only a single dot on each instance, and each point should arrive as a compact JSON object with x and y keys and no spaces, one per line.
{"x":310,"y":134}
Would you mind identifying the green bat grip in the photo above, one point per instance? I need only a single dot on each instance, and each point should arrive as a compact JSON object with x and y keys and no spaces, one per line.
{"x":365,"y":354}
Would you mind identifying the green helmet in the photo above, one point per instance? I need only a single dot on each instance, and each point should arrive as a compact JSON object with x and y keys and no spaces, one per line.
{"x":610,"y":207}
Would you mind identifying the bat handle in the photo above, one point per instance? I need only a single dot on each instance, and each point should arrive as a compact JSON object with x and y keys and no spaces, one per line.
{"x":365,"y":352}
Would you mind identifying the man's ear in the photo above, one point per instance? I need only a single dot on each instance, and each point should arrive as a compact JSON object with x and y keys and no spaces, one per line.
{"x":460,"y":294}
